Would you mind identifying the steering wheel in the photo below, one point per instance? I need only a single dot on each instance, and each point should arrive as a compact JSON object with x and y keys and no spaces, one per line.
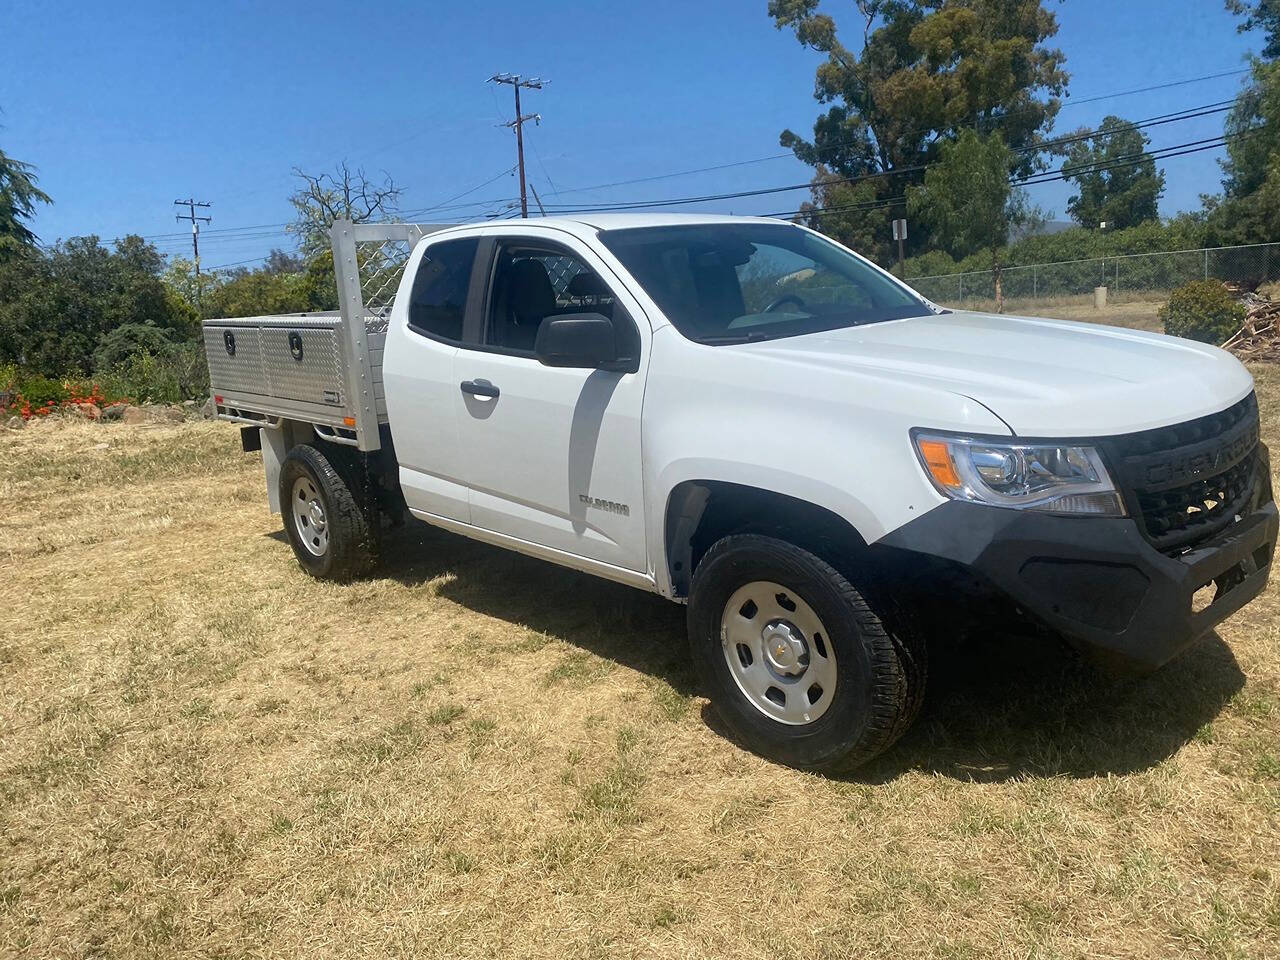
{"x":786,"y":298}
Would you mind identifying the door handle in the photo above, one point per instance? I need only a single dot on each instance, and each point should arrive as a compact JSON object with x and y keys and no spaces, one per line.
{"x":480,"y":388}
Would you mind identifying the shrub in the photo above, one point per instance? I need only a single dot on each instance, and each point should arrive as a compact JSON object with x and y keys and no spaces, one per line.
{"x":177,"y":374}
{"x":128,"y":339}
{"x":40,"y":391}
{"x":190,"y":369}
{"x":1202,"y":310}
{"x":9,"y":398}
{"x":144,"y":376}
{"x":931,"y":264}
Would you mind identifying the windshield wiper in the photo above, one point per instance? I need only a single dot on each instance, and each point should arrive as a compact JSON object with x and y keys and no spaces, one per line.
{"x":738,"y":337}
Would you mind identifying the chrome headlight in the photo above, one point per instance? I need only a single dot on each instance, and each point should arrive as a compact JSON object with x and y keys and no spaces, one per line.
{"x":1050,"y":478}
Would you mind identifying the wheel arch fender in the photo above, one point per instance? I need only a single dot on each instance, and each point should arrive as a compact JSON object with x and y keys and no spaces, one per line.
{"x":700,"y":508}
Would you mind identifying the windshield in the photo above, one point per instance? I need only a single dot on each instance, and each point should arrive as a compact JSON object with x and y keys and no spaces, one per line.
{"x":734,"y":282}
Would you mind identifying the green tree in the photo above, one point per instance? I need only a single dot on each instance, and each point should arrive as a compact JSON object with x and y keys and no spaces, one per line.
{"x":18,"y":198}
{"x":129,"y":339}
{"x":1249,"y":209}
{"x":57,"y":305}
{"x":1261,"y":15}
{"x":345,"y":194}
{"x":1253,"y":131}
{"x":925,"y":70}
{"x":180,"y":276}
{"x":270,"y":290}
{"x":1111,"y":188}
{"x":967,"y":203}
{"x":278,"y":261}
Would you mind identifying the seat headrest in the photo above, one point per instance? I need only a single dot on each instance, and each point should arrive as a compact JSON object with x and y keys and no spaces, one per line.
{"x":529,"y":291}
{"x":587,"y":284}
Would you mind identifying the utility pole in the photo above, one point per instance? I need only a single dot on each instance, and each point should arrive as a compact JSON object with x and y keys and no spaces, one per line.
{"x":191,"y":205}
{"x":534,"y":83}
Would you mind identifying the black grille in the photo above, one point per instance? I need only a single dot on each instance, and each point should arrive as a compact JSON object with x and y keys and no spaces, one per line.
{"x":1186,"y":483}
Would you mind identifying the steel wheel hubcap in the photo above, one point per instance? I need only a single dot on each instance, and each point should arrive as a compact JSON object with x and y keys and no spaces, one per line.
{"x":784,"y":648}
{"x":309,"y":521}
{"x":778,"y":653}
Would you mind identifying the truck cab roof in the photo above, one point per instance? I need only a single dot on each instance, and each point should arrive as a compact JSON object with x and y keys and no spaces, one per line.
{"x":623,"y":221}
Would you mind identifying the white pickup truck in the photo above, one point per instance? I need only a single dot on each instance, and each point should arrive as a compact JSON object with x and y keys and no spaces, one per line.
{"x":742,"y":415}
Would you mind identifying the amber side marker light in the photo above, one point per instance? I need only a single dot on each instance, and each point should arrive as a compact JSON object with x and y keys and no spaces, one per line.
{"x":349,"y":421}
{"x":938,"y":459}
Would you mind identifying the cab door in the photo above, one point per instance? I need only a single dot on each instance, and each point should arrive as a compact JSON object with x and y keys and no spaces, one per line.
{"x":551,"y":456}
{"x":420,"y":381}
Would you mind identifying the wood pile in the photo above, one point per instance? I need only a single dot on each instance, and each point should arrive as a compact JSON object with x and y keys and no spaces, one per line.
{"x":1259,"y":337}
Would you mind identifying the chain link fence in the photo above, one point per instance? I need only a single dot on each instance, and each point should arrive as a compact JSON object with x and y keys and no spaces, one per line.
{"x":1136,"y":276}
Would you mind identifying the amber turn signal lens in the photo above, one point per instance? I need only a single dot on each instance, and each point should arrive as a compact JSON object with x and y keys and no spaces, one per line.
{"x":349,"y":421}
{"x":938,"y":459}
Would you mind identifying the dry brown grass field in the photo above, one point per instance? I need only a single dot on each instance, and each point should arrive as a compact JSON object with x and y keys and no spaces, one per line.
{"x":1139,"y":311}
{"x":204,"y":753}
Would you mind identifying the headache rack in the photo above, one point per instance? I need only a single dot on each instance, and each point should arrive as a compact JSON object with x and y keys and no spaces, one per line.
{"x":320,"y":368}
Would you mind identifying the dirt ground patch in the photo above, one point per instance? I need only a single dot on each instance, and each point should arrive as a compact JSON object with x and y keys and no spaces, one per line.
{"x":474,"y":754}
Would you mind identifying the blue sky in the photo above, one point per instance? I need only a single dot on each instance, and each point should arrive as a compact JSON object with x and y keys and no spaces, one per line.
{"x":125,"y":107}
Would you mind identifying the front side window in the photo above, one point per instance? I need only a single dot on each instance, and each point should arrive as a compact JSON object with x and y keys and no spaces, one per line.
{"x":438,"y":301}
{"x":534,"y":281}
{"x":734,"y":282}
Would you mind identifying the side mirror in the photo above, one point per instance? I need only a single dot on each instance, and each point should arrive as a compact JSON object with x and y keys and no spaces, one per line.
{"x":583,"y":340}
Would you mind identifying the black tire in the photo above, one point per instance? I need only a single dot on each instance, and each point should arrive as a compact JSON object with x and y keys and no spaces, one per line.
{"x":879,"y":682}
{"x":350,"y":549}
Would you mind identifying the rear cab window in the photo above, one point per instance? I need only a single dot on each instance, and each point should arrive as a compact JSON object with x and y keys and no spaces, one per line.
{"x":438,"y":300}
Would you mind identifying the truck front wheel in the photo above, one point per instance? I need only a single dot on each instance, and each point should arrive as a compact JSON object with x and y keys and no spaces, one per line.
{"x":323,"y":518}
{"x":797,"y":665}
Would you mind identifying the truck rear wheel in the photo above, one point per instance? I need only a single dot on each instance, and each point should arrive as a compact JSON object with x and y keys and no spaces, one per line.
{"x":797,"y":665}
{"x":326,"y":522}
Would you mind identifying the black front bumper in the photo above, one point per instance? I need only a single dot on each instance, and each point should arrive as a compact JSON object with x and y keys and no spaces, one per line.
{"x":1098,"y":581}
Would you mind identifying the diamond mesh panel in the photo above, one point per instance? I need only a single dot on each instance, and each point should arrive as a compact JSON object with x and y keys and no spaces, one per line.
{"x":381,"y":266}
{"x":560,"y":270}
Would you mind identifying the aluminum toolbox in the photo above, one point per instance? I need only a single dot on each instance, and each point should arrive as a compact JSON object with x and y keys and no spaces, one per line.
{"x":292,"y":365}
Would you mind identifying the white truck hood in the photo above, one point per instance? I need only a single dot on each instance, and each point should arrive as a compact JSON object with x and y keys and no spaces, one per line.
{"x":1044,"y":378}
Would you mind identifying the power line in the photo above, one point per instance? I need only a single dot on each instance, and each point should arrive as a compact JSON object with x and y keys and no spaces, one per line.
{"x":223,"y":266}
{"x":538,"y":156}
{"x":1169,"y":152}
{"x":667,"y":176}
{"x":843,"y":207}
{"x":444,"y":204}
{"x":1175,"y":150}
{"x":1178,"y":150}
{"x":788,"y":154}
{"x":1158,"y":86}
{"x":207,"y":233}
{"x":250,"y":232}
{"x":1189,"y":114}
{"x":1163,"y":153}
